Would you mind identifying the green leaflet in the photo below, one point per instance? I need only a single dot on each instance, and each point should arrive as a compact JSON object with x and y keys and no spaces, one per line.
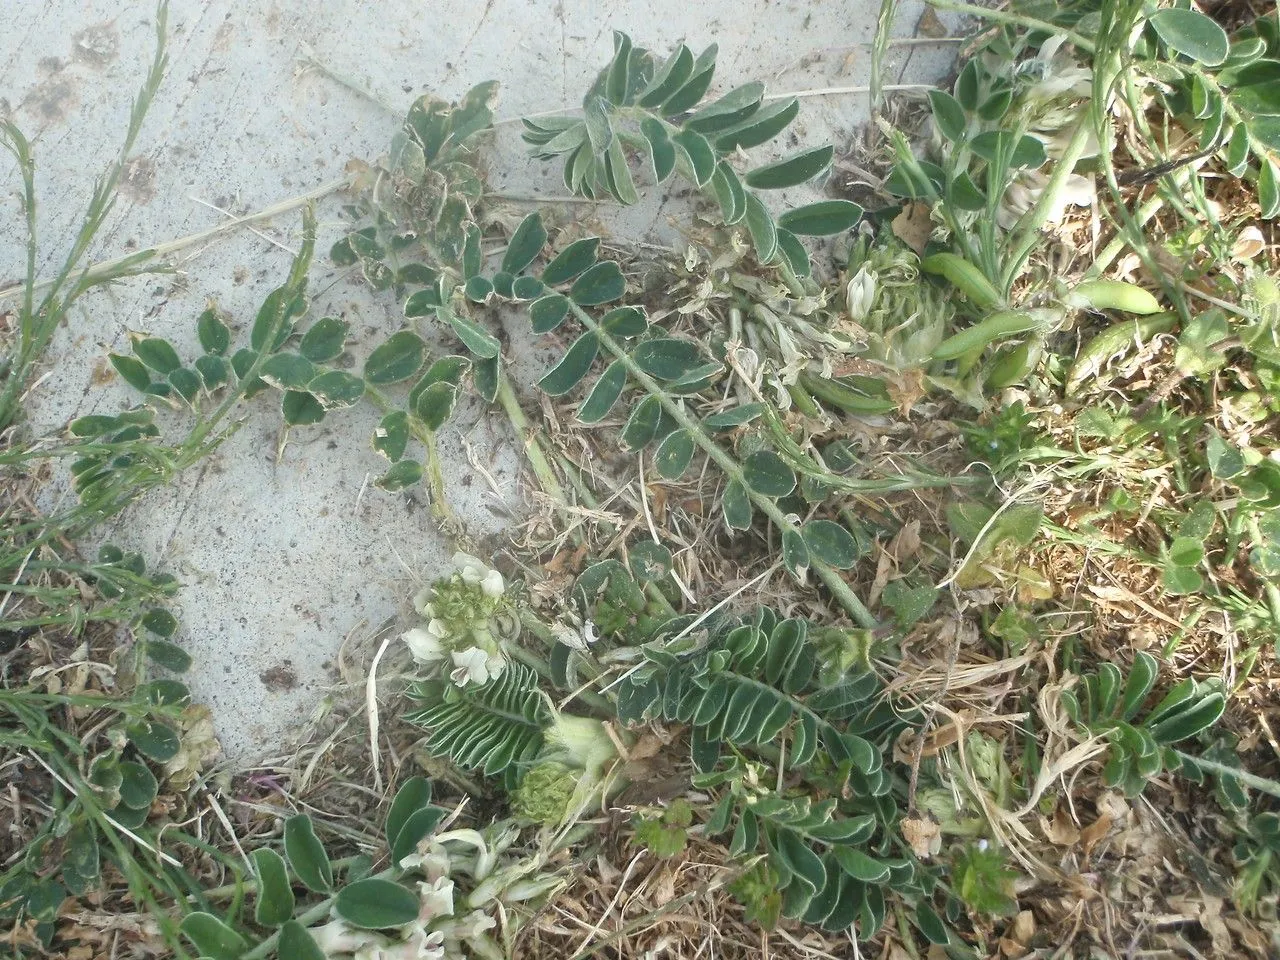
{"x":674,"y":454}
{"x":831,"y":543}
{"x":662,"y":152}
{"x":728,"y":111}
{"x":666,"y":358}
{"x":691,"y":91}
{"x":403,"y":473}
{"x":297,"y":944}
{"x":376,"y":904}
{"x":764,"y":234}
{"x":604,"y":394}
{"x":698,"y":155}
{"x":761,"y":127}
{"x":300,"y":408}
{"x":618,"y":174}
{"x":157,"y":354}
{"x":211,"y":937}
{"x":573,"y":366}
{"x":736,"y":505}
{"x":306,"y":854}
{"x":571,"y":261}
{"x":391,"y":436}
{"x":729,"y":193}
{"x":822,"y":219}
{"x":601,"y":283}
{"x":476,"y":339}
{"x":324,"y":340}
{"x":214,"y":335}
{"x":795,"y":553}
{"x":1192,"y":34}
{"x":275,"y":901}
{"x":399,"y":358}
{"x":288,"y":371}
{"x":668,"y":78}
{"x":766,"y":473}
{"x":412,"y":796}
{"x":793,"y":170}
{"x":525,"y":245}
{"x":549,"y":312}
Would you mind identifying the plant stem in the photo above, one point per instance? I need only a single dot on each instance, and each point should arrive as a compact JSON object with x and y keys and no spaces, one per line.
{"x":529,"y":440}
{"x":1027,"y":229}
{"x":427,"y":437}
{"x":1261,"y":784}
{"x":732,"y":470}
{"x":1117,"y":243}
{"x":107,"y":268}
{"x":251,"y":886}
{"x":1014,"y":19}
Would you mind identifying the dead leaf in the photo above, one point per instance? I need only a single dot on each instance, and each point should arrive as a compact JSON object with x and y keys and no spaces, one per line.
{"x":1211,"y":920}
{"x":923,"y":835}
{"x":930,"y":26}
{"x":1248,"y":244}
{"x":906,"y":542}
{"x":884,"y":569}
{"x":1024,"y":926}
{"x":908,"y":742}
{"x":1016,"y":941}
{"x":647,"y":746}
{"x":1062,"y":831}
{"x":664,"y":888}
{"x":906,"y":389}
{"x":913,"y":226}
{"x":1093,"y":833}
{"x":1112,"y":804}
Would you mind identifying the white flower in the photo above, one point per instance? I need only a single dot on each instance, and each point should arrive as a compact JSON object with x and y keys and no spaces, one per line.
{"x":430,"y":859}
{"x":336,"y":937}
{"x":432,"y":946}
{"x":860,"y":294}
{"x":475,"y":665}
{"x":475,"y":571}
{"x":1026,"y":190}
{"x":424,"y":643}
{"x":437,"y":899}
{"x":472,"y":925}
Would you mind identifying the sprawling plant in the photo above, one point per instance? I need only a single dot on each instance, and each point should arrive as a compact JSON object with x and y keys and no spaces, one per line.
{"x":640,"y":106}
{"x":448,"y":893}
{"x":1142,"y":742}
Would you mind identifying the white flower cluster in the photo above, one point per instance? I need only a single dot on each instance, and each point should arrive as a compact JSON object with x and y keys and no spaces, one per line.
{"x":460,"y":611}
{"x":451,"y":924}
{"x":1051,"y":106}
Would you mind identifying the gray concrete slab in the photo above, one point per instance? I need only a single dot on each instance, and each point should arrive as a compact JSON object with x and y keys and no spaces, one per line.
{"x":283,"y":558}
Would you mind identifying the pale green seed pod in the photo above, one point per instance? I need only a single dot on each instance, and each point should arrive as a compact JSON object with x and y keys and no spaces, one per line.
{"x":1113,"y":295}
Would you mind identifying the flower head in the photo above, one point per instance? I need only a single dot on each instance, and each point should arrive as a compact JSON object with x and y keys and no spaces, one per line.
{"x":466,"y":613}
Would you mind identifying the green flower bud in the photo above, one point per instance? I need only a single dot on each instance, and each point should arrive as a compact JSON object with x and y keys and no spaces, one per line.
{"x":545,"y":795}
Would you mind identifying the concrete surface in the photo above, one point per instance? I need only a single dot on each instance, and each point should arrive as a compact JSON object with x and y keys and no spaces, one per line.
{"x":282,"y":560}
